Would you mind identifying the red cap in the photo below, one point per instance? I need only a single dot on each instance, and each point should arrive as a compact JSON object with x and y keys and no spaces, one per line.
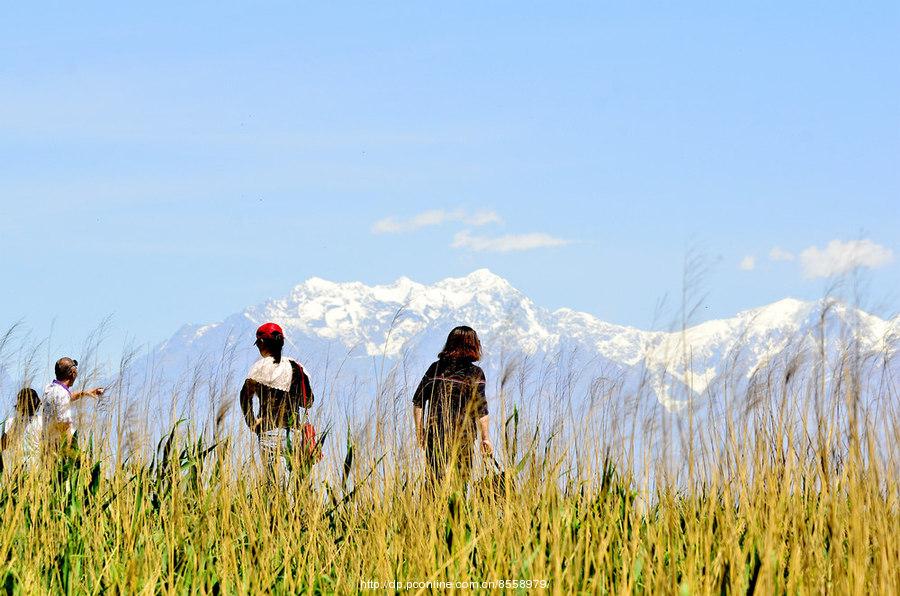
{"x":268,"y":331}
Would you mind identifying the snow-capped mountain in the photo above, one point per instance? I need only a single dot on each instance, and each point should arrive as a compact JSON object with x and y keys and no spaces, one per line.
{"x":354,"y":331}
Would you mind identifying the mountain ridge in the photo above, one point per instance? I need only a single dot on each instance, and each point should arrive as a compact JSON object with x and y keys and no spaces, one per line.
{"x":392,"y":321}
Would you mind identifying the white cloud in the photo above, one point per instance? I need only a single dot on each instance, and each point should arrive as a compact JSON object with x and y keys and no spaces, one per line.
{"x":748,"y":263}
{"x":434,"y":217}
{"x":779,"y":254}
{"x":483,"y":218}
{"x":841,"y":257}
{"x":508,"y":243}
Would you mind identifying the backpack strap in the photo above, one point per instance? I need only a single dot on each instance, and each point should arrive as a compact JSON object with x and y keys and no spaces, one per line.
{"x":299,"y":385}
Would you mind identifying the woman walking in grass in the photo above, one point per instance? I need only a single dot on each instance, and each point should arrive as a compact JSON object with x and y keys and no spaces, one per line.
{"x":453,"y":390}
{"x":282,"y":388}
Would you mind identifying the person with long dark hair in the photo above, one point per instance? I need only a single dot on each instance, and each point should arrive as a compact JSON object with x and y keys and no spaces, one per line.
{"x":453,"y":391}
{"x":21,"y":433}
{"x":284,"y":393}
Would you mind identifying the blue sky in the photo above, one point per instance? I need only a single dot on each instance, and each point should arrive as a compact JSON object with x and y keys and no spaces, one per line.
{"x":173,"y":164}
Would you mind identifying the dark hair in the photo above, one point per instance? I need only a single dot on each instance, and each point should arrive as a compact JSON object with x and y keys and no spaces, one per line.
{"x":273,"y":345}
{"x":64,"y":368}
{"x":462,"y":344}
{"x":27,"y":401}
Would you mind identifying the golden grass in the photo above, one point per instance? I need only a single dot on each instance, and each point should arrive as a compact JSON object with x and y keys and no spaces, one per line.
{"x":774,"y":500}
{"x":188,"y":522}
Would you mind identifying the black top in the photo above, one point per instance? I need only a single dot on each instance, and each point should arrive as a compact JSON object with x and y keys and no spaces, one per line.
{"x":454,"y":392}
{"x":277,"y":408}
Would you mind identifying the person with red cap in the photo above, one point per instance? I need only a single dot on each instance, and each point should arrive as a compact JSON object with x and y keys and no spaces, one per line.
{"x":283,"y":390}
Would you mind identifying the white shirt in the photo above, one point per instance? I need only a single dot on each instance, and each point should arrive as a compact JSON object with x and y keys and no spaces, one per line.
{"x":24,"y":437}
{"x":277,"y":376}
{"x":56,"y":407}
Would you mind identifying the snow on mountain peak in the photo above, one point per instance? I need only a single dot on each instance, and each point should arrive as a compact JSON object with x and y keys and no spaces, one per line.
{"x":485,"y":277}
{"x":383,"y":318}
{"x":480,"y":282}
{"x":388,"y":320}
{"x":787,"y":309}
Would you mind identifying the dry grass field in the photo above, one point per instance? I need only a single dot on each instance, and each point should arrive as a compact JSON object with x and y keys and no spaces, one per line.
{"x":773,"y":500}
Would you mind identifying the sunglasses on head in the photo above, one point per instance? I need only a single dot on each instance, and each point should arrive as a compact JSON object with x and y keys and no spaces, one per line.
{"x":273,"y":337}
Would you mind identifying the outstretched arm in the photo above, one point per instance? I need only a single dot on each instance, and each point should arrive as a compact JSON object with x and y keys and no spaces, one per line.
{"x":95,"y":392}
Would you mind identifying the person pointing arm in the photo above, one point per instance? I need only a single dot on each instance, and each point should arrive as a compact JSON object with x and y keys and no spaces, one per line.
{"x":58,"y":396}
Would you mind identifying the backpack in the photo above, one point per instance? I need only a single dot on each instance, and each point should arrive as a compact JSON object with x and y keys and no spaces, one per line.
{"x":301,"y":396}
